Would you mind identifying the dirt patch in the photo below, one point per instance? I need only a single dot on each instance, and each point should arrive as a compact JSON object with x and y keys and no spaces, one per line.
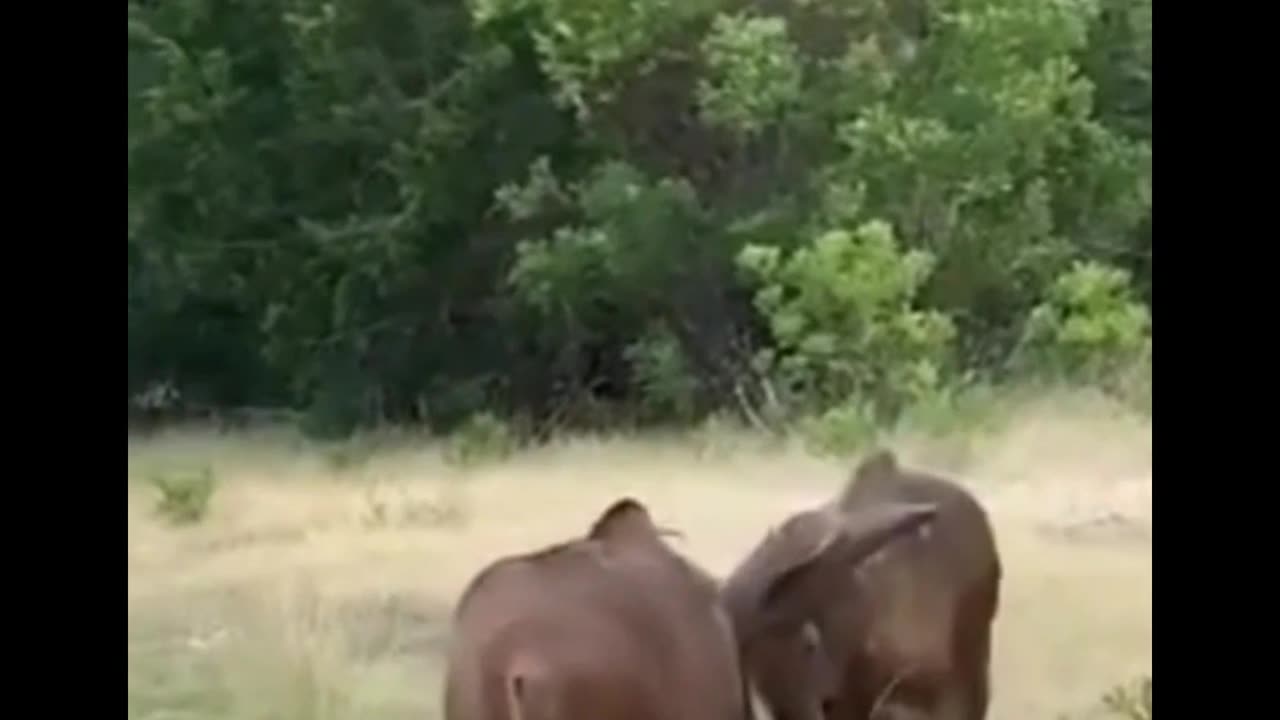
{"x":1106,"y":528}
{"x":1080,"y":501}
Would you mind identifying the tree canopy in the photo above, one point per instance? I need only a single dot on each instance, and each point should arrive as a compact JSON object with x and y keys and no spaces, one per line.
{"x":632,"y":210}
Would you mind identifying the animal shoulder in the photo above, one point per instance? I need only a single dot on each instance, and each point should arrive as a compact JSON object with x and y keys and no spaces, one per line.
{"x":550,"y":561}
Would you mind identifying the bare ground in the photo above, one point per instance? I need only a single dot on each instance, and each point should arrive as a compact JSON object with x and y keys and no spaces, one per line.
{"x":319,"y":588}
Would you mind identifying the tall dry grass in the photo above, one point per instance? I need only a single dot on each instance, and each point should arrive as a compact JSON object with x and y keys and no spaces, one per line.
{"x":319,"y":583}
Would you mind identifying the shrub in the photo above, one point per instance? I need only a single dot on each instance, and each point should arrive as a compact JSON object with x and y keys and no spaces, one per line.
{"x":841,"y":430}
{"x":184,"y":496}
{"x":1088,"y":327}
{"x":483,"y":437}
{"x":841,"y":313}
{"x":754,"y":73}
{"x":667,"y":387}
{"x":964,"y":408}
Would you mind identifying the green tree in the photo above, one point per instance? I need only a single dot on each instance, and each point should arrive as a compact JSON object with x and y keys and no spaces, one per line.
{"x":426,"y":211}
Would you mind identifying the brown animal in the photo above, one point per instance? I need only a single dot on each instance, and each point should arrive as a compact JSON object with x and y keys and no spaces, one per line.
{"x":617,"y":625}
{"x":908,"y":633}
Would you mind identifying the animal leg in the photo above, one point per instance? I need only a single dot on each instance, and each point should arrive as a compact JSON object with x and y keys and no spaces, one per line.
{"x":977,"y":685}
{"x":973,"y":655}
{"x":965,"y":695}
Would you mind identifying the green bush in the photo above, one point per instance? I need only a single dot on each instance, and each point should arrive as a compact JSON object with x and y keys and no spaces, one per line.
{"x":667,"y":387}
{"x":184,"y":496}
{"x":754,"y":73}
{"x":482,"y":438}
{"x":841,"y":430}
{"x":963,"y":408}
{"x":842,"y":316}
{"x":1088,"y":327}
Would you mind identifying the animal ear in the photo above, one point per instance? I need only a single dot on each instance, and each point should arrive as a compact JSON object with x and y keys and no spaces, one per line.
{"x":872,"y":528}
{"x":798,"y":591}
{"x":880,"y":465}
{"x":626,"y":519}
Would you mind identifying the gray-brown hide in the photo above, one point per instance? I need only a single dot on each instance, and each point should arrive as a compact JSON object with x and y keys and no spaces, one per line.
{"x":617,"y":625}
{"x":795,"y":574}
{"x":908,"y":633}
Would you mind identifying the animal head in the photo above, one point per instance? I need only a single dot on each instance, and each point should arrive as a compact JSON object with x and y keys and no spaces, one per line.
{"x":788,"y":579}
{"x":792,"y":673}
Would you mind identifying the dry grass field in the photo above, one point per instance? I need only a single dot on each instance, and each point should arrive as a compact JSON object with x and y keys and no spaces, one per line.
{"x":320,"y":582}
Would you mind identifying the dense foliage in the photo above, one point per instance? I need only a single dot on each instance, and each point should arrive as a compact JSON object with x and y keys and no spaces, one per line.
{"x":591,"y":212}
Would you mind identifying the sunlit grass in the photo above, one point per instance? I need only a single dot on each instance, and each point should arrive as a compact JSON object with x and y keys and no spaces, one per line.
{"x":319,"y":583}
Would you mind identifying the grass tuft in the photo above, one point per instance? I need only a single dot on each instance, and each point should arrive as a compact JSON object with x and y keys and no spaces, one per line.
{"x":183,"y":495}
